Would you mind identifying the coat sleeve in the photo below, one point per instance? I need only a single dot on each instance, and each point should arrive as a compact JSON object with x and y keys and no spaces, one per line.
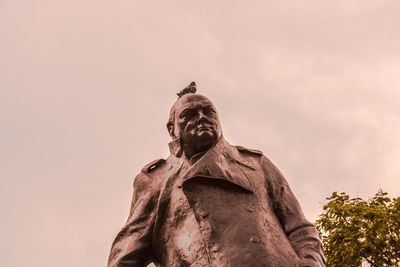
{"x":132,"y":246}
{"x":301,"y":233}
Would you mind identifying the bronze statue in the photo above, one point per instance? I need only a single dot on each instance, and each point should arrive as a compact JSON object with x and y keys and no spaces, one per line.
{"x":212,"y":204}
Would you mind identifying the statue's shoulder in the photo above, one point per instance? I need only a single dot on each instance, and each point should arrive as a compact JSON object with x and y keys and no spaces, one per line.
{"x":249,"y":151}
{"x":149,"y":177}
{"x":153,"y":166}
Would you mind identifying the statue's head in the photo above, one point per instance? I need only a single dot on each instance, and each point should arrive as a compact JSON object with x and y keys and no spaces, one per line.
{"x":194,"y":120}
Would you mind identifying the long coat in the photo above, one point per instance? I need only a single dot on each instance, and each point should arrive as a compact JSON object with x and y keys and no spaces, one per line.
{"x":229,"y":207}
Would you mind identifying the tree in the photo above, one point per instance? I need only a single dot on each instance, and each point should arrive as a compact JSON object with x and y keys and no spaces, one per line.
{"x":354,"y":230}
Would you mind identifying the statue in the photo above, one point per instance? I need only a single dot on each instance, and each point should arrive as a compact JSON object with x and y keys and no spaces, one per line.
{"x":212,"y":204}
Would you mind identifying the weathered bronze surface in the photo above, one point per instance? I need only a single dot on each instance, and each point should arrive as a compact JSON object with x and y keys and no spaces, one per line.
{"x":212,"y":204}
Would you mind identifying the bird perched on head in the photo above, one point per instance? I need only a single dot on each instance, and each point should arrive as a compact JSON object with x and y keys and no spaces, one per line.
{"x":191,"y":88}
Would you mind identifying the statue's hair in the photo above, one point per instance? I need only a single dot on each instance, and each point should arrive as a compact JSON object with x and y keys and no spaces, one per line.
{"x":190,"y":89}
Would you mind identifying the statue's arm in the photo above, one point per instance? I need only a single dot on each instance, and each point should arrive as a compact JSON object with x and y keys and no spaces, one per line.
{"x":301,"y":233}
{"x":132,"y":246}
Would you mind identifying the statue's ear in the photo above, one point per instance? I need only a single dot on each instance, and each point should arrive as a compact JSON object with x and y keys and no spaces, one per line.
{"x":170,"y":127}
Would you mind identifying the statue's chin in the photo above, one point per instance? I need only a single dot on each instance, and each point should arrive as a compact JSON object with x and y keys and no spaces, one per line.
{"x":205,"y":140}
{"x":200,"y":141}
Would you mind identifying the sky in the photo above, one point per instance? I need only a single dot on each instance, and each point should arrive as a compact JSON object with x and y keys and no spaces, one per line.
{"x":86,"y":87}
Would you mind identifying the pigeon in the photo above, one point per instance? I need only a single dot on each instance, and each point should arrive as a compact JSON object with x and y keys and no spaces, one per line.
{"x":191,"y":88}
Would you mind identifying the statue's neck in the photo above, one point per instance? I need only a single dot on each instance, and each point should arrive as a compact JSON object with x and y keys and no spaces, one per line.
{"x":192,"y":154}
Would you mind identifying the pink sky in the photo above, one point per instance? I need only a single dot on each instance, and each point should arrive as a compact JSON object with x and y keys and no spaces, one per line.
{"x":86,"y":87}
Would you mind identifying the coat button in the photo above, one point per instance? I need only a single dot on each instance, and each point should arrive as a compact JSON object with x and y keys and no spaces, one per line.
{"x":254,"y":239}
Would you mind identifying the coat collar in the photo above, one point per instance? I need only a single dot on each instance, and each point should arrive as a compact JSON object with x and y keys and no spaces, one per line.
{"x":220,"y":147}
{"x":222,"y":161}
{"x":175,"y":147}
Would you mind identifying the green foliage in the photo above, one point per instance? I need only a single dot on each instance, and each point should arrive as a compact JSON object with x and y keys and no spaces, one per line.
{"x":354,"y":230}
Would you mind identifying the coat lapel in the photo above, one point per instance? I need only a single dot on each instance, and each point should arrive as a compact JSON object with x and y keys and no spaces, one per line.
{"x":221,"y":162}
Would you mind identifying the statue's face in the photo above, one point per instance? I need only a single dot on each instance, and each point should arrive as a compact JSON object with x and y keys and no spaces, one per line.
{"x":196,"y":122}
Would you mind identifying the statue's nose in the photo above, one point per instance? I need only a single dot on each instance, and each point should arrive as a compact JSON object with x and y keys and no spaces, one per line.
{"x":202,"y":118}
